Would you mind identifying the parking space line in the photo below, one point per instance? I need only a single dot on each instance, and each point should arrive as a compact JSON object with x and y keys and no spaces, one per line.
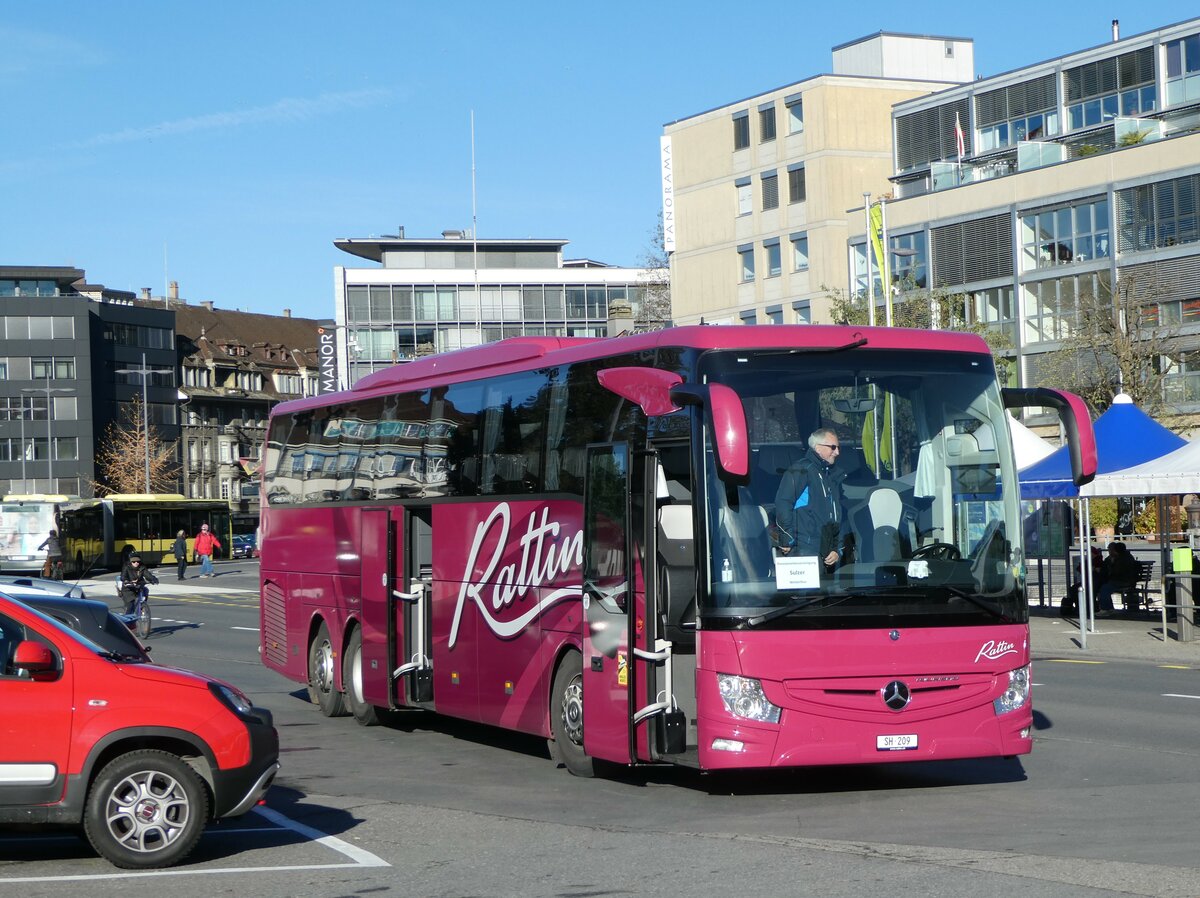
{"x":1178,"y":695}
{"x":359,"y":857}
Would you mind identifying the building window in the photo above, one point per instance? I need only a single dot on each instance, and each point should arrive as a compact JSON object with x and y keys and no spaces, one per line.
{"x":797,"y":191}
{"x":1067,"y":234}
{"x":770,"y":191}
{"x":908,"y":262}
{"x":749,"y":317}
{"x":1183,"y":70}
{"x":56,"y":369}
{"x":795,"y":114}
{"x":800,"y":252}
{"x":766,"y":123}
{"x":1027,"y":110}
{"x":746,"y":257}
{"x":775,"y":315}
{"x":1052,"y":306}
{"x":802,"y":312}
{"x":774,"y":257}
{"x":993,"y":308}
{"x":745,"y":196}
{"x":741,"y":130}
{"x":1181,"y":384}
{"x":1159,"y":215}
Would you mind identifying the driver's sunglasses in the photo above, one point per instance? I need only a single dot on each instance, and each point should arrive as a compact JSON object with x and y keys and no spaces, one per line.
{"x":832,"y":447}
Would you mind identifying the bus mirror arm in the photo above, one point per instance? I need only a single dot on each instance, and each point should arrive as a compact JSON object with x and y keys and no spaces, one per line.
{"x":1077,"y":421}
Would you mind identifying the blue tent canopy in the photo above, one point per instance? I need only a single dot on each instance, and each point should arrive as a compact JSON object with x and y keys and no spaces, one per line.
{"x":1125,"y":436}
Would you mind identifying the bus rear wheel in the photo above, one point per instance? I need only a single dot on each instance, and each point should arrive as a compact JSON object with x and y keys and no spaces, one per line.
{"x":322,"y":687}
{"x":352,"y":678}
{"x":566,"y":717}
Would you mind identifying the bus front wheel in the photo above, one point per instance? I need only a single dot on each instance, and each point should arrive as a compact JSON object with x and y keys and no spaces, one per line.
{"x":322,"y":688}
{"x":352,"y":678}
{"x":566,"y":717}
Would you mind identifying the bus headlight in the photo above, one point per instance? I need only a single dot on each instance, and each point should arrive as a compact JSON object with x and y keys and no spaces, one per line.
{"x":744,"y":697}
{"x":1017,"y":693}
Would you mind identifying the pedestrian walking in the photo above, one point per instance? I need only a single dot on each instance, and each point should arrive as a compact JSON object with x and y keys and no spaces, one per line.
{"x":180,"y":550}
{"x":206,"y":542}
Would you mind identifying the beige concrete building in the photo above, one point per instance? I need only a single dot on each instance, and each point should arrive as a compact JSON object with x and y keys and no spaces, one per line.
{"x":757,"y":192}
{"x":1078,"y":175}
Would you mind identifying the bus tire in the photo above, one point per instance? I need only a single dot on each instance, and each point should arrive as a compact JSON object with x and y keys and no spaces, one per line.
{"x":352,"y":679}
{"x":566,"y":717}
{"x":322,"y":687}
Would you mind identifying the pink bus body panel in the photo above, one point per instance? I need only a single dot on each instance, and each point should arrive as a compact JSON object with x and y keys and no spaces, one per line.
{"x":835,"y":717}
{"x":506,"y":598}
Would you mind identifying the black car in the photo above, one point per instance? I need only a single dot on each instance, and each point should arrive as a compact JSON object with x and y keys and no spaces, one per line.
{"x":90,"y":617}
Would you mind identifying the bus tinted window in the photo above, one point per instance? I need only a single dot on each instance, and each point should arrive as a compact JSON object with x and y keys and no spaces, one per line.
{"x":396,"y":467}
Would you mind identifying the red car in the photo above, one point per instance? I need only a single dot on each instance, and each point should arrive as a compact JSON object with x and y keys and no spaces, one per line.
{"x":142,"y":755}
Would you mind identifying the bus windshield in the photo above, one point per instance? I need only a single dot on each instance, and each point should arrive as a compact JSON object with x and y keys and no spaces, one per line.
{"x":882,"y":492}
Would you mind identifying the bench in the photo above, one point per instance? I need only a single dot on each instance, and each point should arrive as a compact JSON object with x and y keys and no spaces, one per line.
{"x":1139,"y":594}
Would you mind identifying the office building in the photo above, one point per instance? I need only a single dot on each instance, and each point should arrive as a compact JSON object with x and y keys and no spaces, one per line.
{"x":761,"y":189}
{"x":430,"y":295}
{"x":1077,"y":176}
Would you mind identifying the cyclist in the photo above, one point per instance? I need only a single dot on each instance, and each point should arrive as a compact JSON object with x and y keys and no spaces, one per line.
{"x":134,"y":578}
{"x":54,"y":556}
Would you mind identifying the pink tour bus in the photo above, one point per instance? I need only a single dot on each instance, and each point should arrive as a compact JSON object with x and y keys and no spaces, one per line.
{"x":579,"y":539}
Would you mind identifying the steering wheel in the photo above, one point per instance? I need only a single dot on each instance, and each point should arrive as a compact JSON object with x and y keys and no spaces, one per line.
{"x":940,"y":551}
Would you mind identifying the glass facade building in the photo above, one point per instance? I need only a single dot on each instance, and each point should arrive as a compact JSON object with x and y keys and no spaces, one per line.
{"x":442,"y":294}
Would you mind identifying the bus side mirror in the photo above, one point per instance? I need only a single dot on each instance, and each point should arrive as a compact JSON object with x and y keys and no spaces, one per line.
{"x":660,"y":392}
{"x":728,"y":419}
{"x":1073,"y":412}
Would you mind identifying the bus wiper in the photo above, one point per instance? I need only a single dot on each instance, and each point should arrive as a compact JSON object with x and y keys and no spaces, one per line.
{"x":794,"y":605}
{"x":990,"y":607}
{"x":813,"y":350}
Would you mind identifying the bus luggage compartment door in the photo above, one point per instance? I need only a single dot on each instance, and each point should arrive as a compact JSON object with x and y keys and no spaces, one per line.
{"x":607,"y":596}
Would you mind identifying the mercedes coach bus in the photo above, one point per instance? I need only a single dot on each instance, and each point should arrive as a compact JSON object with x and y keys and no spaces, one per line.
{"x":579,"y":539}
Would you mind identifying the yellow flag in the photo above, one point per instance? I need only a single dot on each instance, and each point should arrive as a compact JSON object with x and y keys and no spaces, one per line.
{"x":886,"y":460}
{"x":881,"y":257}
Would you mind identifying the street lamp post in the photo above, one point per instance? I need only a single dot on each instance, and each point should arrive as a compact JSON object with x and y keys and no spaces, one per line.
{"x":144,"y":373}
{"x":49,"y":391}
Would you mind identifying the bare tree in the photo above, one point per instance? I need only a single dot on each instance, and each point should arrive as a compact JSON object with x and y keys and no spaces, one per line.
{"x":1113,"y":342}
{"x":121,"y":457}
{"x":655,"y":310}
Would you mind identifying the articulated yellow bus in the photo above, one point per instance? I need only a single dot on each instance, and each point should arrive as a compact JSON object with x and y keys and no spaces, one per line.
{"x":105,"y":532}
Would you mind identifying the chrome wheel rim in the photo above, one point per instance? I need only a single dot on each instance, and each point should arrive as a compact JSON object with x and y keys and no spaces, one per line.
{"x":572,"y":711}
{"x":147,"y":811}
{"x":323,"y":674}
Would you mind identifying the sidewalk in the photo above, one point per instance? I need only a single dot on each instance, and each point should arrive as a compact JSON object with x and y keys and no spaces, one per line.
{"x":1116,"y":638}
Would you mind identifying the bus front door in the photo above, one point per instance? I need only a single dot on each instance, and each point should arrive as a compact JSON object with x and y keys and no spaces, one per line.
{"x":607,"y":602}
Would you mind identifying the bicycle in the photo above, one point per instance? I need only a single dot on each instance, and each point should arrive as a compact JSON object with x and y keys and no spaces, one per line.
{"x":139,"y":619}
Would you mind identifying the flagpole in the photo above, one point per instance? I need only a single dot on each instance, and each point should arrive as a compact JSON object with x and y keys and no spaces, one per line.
{"x":886,"y":274}
{"x":867,"y":248}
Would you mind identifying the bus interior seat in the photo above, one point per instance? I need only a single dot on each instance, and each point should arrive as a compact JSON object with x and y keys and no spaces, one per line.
{"x":676,"y":551}
{"x":747,"y":541}
{"x":885,"y":511}
{"x":773,"y":460}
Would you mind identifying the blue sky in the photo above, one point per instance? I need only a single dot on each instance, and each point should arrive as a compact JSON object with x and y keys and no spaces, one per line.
{"x":226,"y":145}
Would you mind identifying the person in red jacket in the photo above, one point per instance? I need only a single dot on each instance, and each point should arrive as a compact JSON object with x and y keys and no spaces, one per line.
{"x":206,"y":541}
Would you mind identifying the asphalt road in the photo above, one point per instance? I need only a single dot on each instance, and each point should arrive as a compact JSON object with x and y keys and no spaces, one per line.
{"x":1105,"y":805}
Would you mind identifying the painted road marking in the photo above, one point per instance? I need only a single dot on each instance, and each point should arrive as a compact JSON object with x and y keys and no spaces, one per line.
{"x":1178,"y":695}
{"x":251,"y":629}
{"x":1072,"y":661}
{"x":358,"y":857}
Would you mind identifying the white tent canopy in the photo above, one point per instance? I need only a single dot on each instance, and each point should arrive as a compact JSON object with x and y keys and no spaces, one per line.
{"x":1172,"y":474}
{"x":1028,"y":447}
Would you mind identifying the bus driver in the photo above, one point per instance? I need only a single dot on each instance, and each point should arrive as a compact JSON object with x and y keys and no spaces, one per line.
{"x":808,"y":505}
